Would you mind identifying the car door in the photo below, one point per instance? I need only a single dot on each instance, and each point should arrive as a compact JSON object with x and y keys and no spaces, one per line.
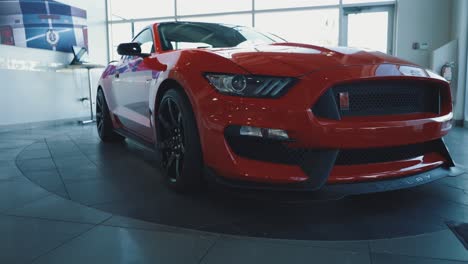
{"x":131,"y":89}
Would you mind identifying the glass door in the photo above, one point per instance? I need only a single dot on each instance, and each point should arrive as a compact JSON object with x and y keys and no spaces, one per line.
{"x":369,"y":28}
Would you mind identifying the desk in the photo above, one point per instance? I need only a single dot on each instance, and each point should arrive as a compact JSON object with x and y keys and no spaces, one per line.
{"x":89,"y":67}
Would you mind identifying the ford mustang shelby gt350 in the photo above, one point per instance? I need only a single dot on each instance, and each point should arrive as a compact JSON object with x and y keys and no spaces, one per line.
{"x":249,"y":109}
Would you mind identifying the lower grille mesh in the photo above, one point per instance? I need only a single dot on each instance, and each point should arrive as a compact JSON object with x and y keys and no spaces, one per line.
{"x":276,"y":152}
{"x":264,"y":150}
{"x":379,"y":155}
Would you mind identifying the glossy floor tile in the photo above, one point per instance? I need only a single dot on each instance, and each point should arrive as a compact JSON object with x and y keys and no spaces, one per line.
{"x":48,"y":175}
{"x":439,"y":245}
{"x":124,"y":179}
{"x":247,"y":251}
{"x":118,"y":245}
{"x":393,"y":259}
{"x":57,"y":208}
{"x":24,"y":239}
{"x":16,"y":193}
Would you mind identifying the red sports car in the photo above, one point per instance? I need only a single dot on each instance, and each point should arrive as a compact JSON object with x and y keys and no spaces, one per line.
{"x":249,"y":109}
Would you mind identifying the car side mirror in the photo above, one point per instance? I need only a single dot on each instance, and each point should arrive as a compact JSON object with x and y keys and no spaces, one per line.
{"x":131,"y":49}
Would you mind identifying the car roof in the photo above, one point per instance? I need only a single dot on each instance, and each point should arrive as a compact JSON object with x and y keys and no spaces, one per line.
{"x":192,"y":22}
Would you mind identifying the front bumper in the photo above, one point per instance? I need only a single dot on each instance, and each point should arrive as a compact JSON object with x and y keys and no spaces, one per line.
{"x":293,"y":114}
{"x":341,"y":190}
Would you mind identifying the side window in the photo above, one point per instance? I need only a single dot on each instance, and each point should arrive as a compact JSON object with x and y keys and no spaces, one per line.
{"x":145,"y":38}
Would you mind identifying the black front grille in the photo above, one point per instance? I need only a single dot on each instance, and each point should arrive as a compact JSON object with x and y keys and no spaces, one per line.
{"x":376,"y":98}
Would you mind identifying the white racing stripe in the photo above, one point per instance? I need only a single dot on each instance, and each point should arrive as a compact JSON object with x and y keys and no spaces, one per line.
{"x":49,"y":20}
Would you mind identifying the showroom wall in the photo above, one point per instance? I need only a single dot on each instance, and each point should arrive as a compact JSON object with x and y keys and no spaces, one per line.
{"x":32,"y":91}
{"x":436,"y":23}
{"x":422,"y":21}
{"x":43,"y":94}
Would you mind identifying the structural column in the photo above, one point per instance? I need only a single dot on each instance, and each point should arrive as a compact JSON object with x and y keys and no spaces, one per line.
{"x":460,"y":32}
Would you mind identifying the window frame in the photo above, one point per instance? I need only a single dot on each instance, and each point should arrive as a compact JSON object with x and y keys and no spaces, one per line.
{"x":153,"y":48}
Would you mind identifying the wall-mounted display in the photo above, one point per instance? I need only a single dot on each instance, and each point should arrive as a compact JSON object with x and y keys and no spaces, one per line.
{"x":42,"y":24}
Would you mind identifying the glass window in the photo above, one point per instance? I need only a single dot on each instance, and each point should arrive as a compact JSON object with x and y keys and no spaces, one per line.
{"x":269,"y":4}
{"x":319,"y":27}
{"x":190,"y":7}
{"x":374,"y":37}
{"x":119,"y":33}
{"x":122,"y":10}
{"x":241,"y":20}
{"x":139,"y":26}
{"x":347,"y":2}
{"x":208,"y":35}
{"x":145,"y":38}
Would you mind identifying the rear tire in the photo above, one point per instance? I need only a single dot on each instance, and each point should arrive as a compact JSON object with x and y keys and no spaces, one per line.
{"x":179,"y":142}
{"x":103,"y":120}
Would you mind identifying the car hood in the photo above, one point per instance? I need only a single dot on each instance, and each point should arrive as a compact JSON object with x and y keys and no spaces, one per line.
{"x":293,"y":59}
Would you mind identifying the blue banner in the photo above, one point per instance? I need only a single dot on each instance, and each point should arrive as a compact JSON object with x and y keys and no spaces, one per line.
{"x":42,"y":24}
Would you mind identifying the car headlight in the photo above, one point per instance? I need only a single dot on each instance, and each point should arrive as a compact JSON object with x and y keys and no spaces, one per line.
{"x":250,"y":85}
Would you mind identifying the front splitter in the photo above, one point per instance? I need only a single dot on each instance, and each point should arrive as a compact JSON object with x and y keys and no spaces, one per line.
{"x":342,"y":190}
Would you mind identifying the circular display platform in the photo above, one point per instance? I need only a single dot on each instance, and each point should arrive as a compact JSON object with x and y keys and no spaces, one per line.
{"x":124,"y":179}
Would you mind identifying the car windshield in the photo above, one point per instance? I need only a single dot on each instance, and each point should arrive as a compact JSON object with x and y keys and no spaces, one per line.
{"x":184,"y":35}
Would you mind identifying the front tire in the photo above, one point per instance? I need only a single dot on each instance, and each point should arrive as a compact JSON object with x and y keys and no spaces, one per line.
{"x":103,"y":120}
{"x":179,"y":142}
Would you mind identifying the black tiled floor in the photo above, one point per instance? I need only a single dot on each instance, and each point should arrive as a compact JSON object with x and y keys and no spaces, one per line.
{"x":378,"y":258}
{"x":57,"y":208}
{"x":18,"y":192}
{"x":136,"y":246}
{"x":24,"y":239}
{"x":39,"y":153}
{"x":124,"y":179}
{"x":49,"y":180}
{"x":28,"y":165}
{"x":9,"y":153}
{"x":8,"y":170}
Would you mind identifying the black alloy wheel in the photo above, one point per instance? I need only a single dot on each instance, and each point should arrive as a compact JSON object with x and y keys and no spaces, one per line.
{"x":179,"y":142}
{"x":103,"y":120}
